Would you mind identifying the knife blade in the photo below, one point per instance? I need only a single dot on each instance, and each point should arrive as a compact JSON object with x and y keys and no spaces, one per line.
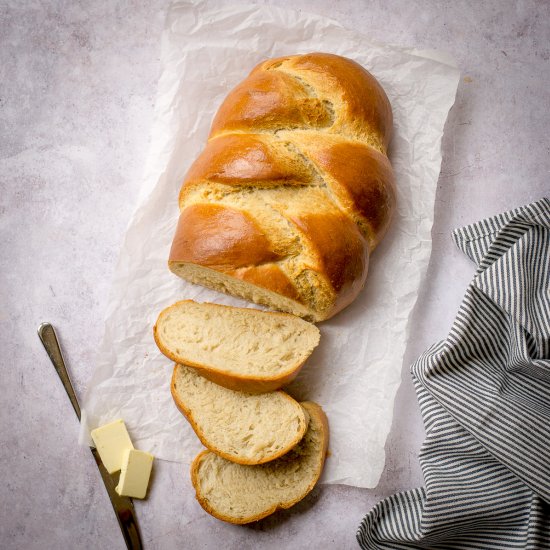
{"x":122,"y":506}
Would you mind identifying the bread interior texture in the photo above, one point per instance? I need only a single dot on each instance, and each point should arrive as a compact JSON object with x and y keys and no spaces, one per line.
{"x":221,"y":282}
{"x":241,"y":494}
{"x":246,"y":428}
{"x":239,"y":341}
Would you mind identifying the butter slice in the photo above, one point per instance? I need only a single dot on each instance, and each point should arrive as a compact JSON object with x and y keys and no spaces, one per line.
{"x":112,"y":441}
{"x":135,"y":473}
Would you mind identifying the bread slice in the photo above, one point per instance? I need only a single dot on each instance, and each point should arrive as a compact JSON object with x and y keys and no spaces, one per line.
{"x":242,"y":427}
{"x":241,"y":494}
{"x":239,"y":348}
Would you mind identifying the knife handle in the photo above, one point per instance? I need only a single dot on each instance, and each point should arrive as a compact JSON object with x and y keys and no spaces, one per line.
{"x":47,"y":335}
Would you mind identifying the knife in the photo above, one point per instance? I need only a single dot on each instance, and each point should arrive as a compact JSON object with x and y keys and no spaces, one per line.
{"x":123,"y":506}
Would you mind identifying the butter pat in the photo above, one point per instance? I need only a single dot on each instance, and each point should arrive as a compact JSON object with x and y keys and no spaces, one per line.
{"x":135,"y":473}
{"x":112,"y":441}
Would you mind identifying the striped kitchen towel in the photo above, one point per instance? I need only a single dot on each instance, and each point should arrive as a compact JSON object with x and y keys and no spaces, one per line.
{"x":484,"y":395}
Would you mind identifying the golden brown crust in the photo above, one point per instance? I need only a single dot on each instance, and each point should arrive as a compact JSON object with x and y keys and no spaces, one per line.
{"x":362,"y":180}
{"x":232,"y":458}
{"x":268,"y":100}
{"x":219,"y":237}
{"x":269,"y":276}
{"x":246,"y":159}
{"x":232,"y":381}
{"x":366,"y":105}
{"x":341,"y":253}
{"x":278,"y":94}
{"x":241,"y":250}
{"x":314,"y":410}
{"x":301,"y":142}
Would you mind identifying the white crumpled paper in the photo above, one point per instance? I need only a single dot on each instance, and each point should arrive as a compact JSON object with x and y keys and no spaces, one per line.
{"x":356,"y":370}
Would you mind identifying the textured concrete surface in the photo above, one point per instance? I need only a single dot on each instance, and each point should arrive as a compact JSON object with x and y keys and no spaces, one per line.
{"x":77,"y":84}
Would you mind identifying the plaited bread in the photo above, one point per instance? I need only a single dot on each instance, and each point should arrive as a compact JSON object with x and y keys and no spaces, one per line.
{"x":240,"y":348}
{"x":293,"y":190}
{"x":242,"y":494}
{"x":242,"y":427}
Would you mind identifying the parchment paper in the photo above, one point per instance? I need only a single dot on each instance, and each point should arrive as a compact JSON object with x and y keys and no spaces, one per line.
{"x":356,"y":370}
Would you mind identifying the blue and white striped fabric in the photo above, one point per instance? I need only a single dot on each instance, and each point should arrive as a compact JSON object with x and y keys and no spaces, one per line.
{"x":484,"y":395}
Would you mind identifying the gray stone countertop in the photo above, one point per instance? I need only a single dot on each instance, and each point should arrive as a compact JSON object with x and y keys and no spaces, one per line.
{"x":77,"y":85}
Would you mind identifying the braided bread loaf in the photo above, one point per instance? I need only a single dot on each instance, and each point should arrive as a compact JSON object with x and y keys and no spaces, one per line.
{"x":293,"y":190}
